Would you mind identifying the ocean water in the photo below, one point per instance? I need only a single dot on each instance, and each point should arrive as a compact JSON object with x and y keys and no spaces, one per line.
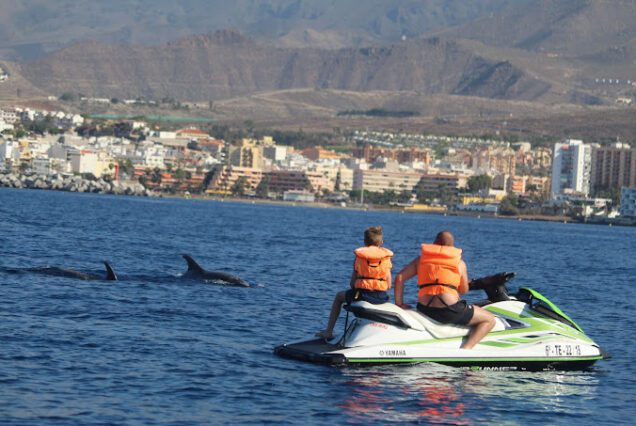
{"x":156,"y":349}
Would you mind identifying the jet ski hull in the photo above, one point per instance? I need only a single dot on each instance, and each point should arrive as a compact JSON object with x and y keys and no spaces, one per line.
{"x":300,"y":353}
{"x":321,"y":352}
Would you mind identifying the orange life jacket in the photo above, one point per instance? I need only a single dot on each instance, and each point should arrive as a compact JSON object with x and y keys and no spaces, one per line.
{"x":438,"y":270}
{"x":373,"y":268}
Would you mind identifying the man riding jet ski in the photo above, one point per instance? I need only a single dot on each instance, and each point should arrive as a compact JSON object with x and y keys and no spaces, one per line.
{"x":441,"y":277}
{"x":524,"y":331}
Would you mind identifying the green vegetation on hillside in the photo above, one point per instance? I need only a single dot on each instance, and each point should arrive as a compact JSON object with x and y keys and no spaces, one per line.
{"x":379,"y":112}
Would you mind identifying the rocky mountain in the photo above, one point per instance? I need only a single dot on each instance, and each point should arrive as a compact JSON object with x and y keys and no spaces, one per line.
{"x":228,"y":64}
{"x":32,"y":28}
{"x":553,"y":51}
{"x":599,"y":31}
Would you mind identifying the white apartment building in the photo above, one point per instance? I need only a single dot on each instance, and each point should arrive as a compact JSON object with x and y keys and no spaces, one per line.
{"x":60,"y":151}
{"x":628,"y":202}
{"x":83,"y":161}
{"x":5,"y":126}
{"x":9,"y":150}
{"x":275,"y":152}
{"x":41,"y":165}
{"x":379,"y":180}
{"x":9,"y":116}
{"x":571,"y":167}
{"x":154,"y":156}
{"x":334,"y":173}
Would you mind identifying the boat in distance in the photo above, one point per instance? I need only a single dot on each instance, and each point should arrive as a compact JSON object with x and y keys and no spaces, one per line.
{"x":530,"y":333}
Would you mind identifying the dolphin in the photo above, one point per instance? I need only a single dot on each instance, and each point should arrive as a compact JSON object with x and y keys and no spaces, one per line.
{"x":71,"y":273}
{"x":197,"y":272}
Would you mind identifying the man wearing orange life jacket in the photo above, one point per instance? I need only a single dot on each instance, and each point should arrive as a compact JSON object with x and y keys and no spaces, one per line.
{"x":370,"y":280}
{"x":442,"y":276}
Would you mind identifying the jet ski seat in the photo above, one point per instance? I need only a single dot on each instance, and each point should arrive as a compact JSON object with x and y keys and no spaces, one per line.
{"x":411,"y":318}
{"x":437,"y":329}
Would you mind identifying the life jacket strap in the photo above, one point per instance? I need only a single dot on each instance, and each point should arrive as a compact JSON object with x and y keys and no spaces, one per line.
{"x":436,"y":284}
{"x":369,"y":278}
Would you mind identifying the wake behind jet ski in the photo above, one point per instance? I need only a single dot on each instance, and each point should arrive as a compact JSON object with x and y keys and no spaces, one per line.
{"x":197,"y":272}
{"x":531,"y":333}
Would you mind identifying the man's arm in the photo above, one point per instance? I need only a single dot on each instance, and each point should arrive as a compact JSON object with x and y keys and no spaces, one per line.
{"x":463,"y":281}
{"x":408,"y":272}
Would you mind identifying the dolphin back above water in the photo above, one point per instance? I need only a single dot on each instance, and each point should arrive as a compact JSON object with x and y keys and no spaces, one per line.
{"x":197,"y":272}
{"x":71,"y":273}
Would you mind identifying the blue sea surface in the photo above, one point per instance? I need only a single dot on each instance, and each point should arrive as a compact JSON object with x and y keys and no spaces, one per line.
{"x":153,"y":348}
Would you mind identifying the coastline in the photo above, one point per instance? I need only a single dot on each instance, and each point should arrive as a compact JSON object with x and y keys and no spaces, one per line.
{"x":375,"y":208}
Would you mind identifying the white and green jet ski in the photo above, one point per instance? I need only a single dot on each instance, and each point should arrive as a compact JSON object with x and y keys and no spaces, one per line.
{"x":531,"y":333}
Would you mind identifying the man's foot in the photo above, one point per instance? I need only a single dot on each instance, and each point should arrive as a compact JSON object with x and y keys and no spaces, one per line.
{"x":324,"y":335}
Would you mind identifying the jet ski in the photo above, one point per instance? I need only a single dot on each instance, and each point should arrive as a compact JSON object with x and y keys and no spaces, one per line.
{"x":531,"y":333}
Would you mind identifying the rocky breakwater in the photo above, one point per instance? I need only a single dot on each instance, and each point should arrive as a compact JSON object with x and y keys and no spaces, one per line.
{"x":73,"y":184}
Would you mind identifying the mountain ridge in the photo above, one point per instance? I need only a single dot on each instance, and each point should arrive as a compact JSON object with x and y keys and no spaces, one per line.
{"x":227,"y":63}
{"x":33,"y":28}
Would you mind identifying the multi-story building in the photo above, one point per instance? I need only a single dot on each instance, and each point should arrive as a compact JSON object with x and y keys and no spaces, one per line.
{"x":9,"y":150}
{"x":507,"y":183}
{"x":447,"y":181}
{"x":60,"y":151}
{"x":540,"y":184}
{"x":542,"y":158}
{"x":41,"y":165}
{"x":83,"y":161}
{"x":154,"y":155}
{"x":339,"y":174}
{"x":275,"y":153}
{"x":319,"y":153}
{"x":498,"y":160}
{"x":213,"y":146}
{"x":613,"y":167}
{"x":571,"y":166}
{"x":536,"y":159}
{"x":628,"y":202}
{"x":191,"y":133}
{"x":224,"y":178}
{"x":248,"y":153}
{"x":380,"y":180}
{"x":5,"y":126}
{"x":9,"y":116}
{"x":402,"y":155}
{"x":297,"y":180}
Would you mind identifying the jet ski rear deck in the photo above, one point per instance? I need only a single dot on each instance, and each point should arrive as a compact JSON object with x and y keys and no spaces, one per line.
{"x":317,"y":351}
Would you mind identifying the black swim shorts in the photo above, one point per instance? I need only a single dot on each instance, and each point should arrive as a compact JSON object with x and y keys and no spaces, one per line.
{"x":459,"y":313}
{"x":371,"y":296}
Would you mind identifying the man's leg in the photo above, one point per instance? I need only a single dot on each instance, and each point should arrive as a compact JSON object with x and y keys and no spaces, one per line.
{"x":481,"y":322}
{"x":327,"y":333}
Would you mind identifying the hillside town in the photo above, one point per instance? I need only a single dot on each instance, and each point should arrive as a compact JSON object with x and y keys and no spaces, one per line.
{"x":572,"y":178}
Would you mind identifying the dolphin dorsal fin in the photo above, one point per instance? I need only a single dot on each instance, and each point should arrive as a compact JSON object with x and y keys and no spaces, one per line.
{"x":110,"y":273}
{"x":193,"y":266}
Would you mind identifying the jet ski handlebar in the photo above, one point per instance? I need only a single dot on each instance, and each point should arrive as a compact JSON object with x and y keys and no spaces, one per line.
{"x":493,"y":285}
{"x":491,"y":280}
